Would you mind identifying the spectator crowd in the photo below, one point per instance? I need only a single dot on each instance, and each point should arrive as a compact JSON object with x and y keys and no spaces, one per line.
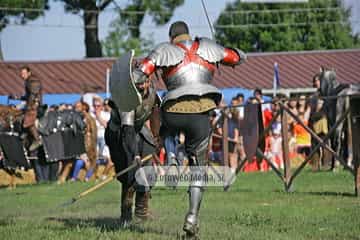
{"x":309,"y":110}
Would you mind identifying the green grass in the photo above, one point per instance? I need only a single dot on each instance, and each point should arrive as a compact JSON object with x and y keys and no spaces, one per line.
{"x":256,"y":207}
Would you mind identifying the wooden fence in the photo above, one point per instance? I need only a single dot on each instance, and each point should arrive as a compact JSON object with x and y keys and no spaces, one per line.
{"x":289,"y":173}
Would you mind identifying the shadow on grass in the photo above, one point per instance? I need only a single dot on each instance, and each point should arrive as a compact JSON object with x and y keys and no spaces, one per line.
{"x":109,"y":224}
{"x":6,"y":222}
{"x":327,"y":193}
{"x":316,"y":193}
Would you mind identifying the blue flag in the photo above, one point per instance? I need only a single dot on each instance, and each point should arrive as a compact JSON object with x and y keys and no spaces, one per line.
{"x":276,"y":81}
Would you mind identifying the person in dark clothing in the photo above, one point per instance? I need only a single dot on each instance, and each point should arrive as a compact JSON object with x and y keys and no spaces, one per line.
{"x":129,"y":139}
{"x":33,"y":99}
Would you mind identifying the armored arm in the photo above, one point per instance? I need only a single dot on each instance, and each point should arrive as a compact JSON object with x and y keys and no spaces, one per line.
{"x":233,"y":57}
{"x":128,"y":133}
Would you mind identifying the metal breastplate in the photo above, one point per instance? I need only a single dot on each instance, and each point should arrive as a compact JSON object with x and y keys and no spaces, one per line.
{"x":191,"y":77}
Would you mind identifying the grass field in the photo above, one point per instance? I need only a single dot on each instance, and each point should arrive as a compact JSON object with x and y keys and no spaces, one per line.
{"x":256,"y":207}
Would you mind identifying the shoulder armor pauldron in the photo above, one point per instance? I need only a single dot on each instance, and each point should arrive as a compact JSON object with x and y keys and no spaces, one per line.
{"x":210,"y":50}
{"x":166,"y":54}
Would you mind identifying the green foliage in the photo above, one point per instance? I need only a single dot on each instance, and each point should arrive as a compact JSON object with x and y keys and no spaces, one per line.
{"x":15,"y":9}
{"x":278,"y":27}
{"x":125,"y":30}
{"x":161,"y":12}
{"x":120,"y":41}
{"x":255,"y":207}
{"x":89,"y":10}
{"x":130,"y":19}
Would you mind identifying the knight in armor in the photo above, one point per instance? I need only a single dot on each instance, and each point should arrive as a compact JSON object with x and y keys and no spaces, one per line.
{"x":188,"y":66}
{"x":129,"y":139}
{"x":33,"y":99}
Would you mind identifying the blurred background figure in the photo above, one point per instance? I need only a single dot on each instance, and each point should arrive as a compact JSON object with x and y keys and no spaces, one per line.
{"x":303,"y":138}
{"x":101,"y":114}
{"x":87,"y":160}
{"x":89,"y":92}
{"x":319,"y":124}
{"x":104,"y":156}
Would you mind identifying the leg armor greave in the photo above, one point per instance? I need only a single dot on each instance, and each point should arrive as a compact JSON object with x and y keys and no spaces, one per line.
{"x":198,"y":172}
{"x":191,"y":220}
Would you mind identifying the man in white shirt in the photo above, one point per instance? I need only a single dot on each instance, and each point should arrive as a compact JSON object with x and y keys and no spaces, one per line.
{"x":101,"y":117}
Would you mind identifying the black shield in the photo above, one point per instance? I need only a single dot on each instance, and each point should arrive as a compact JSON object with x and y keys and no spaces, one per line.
{"x":251,"y":127}
{"x":122,"y":86}
{"x":13,"y":151}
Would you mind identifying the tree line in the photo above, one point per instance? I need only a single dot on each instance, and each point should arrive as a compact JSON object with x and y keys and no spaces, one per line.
{"x":253,"y":27}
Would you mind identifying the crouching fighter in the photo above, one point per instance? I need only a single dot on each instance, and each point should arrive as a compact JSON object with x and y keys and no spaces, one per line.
{"x":188,"y":66}
{"x":128,"y":135}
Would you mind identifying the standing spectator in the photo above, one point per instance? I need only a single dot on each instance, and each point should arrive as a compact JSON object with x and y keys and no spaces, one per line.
{"x":304,"y":107}
{"x":216,"y":154}
{"x":233,"y":134}
{"x":234,"y":102}
{"x":316,"y":81}
{"x":106,"y":152}
{"x":292,"y":105}
{"x":275,"y":149}
{"x":318,"y":123}
{"x":101,"y":117}
{"x":240,"y":101}
{"x":269,"y":113}
{"x":87,"y":160}
{"x":303,"y":138}
{"x":240,"y":98}
{"x":88,"y":95}
{"x":258,"y":95}
{"x":180,"y":151}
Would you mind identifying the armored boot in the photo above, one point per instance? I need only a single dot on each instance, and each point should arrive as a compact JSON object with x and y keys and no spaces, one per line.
{"x":198,"y":162}
{"x":127,"y":197}
{"x":142,"y":211}
{"x":191,"y":226}
{"x":36,"y":142}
